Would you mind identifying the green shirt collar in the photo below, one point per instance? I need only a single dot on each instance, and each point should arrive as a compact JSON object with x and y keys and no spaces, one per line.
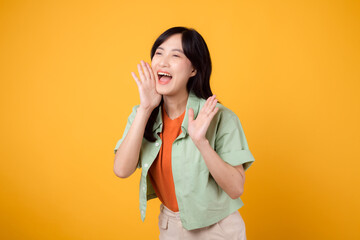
{"x":192,"y":102}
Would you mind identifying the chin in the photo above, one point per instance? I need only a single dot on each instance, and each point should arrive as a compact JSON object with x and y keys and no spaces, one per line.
{"x":162,"y":90}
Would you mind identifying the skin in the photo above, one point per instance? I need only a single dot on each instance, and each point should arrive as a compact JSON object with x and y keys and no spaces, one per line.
{"x":168,"y":59}
{"x":230,"y":178}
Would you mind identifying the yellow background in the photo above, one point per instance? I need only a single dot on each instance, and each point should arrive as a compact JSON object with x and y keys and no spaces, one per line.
{"x":288,"y":69}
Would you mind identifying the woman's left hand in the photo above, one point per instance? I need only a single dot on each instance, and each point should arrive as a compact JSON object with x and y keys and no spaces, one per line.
{"x":197,"y":128}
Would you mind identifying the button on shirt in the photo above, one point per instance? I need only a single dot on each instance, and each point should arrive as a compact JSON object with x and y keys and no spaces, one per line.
{"x":201,"y":200}
{"x":160,"y":172}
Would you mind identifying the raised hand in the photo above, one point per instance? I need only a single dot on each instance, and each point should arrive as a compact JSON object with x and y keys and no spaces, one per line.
{"x":149,"y":98}
{"x":197,"y":128}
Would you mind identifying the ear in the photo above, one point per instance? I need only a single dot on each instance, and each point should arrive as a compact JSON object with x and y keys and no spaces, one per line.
{"x":193,"y":73}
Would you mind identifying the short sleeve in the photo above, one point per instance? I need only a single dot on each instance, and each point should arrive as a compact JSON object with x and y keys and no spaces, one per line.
{"x":127,"y":127}
{"x":231,"y":144}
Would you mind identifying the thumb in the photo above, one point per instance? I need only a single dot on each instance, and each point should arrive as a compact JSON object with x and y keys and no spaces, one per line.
{"x":191,"y":114}
{"x":136,"y":79}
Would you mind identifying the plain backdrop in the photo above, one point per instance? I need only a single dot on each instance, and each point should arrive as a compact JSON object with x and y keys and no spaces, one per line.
{"x":288,"y":69}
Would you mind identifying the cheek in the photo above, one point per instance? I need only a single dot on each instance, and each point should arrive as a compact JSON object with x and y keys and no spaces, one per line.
{"x":183,"y":68}
{"x":152,"y":64}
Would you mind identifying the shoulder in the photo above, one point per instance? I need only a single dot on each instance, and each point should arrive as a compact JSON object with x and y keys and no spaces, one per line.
{"x":133,"y":112}
{"x":134,"y":109}
{"x":223,"y":111}
{"x":226,"y":119}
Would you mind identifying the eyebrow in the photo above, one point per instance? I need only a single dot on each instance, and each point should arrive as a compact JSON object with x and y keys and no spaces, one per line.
{"x":175,"y":49}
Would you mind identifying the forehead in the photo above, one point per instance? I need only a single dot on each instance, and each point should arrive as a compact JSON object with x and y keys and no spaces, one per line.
{"x":173,"y":42}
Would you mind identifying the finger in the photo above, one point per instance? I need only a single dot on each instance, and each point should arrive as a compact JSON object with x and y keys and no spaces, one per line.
{"x":213,"y":97}
{"x":210,"y":107}
{"x":142,"y":77}
{"x":204,"y":108}
{"x":145,"y":69}
{"x":191,"y":114}
{"x":212,"y":114}
{"x":152,"y":77}
{"x":156,"y":76}
{"x":211,"y":100}
{"x":136,"y":79}
{"x":213,"y":104}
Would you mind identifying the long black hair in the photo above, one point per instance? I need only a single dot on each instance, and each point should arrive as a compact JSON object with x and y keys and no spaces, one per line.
{"x":196,"y":50}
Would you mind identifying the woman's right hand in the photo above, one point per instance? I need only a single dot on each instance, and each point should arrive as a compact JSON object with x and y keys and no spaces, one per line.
{"x":149,"y":98}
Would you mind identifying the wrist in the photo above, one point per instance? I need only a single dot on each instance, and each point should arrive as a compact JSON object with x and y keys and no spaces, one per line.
{"x":201,"y":143}
{"x":143,"y":110}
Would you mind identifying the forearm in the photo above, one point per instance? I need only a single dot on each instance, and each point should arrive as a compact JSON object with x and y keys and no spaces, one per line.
{"x":225,"y":175}
{"x":127,"y":155}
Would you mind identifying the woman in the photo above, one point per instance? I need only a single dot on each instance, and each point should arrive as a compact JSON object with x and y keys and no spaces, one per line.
{"x":192,"y":150}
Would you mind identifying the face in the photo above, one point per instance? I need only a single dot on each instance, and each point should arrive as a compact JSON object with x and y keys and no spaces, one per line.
{"x":169,"y":58}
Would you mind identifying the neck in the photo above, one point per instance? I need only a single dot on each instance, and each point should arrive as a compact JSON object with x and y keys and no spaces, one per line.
{"x":175,"y":105}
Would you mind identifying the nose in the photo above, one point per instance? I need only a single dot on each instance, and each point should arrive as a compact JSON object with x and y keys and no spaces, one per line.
{"x":164,"y":61}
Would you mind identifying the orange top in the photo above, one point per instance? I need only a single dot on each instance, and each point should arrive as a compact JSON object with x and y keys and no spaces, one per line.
{"x":160,"y":172}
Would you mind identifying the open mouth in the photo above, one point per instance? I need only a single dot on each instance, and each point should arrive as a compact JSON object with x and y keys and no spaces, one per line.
{"x":164,"y":77}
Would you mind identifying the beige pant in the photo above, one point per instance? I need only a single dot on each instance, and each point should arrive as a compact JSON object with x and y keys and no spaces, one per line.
{"x":230,"y":228}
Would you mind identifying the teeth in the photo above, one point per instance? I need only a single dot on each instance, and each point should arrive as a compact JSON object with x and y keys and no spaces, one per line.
{"x":164,"y":74}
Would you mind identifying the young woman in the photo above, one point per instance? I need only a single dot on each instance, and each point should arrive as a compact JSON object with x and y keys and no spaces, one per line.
{"x":192,"y":149}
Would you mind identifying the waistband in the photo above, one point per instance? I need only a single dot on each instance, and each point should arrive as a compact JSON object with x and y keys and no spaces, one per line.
{"x":168,"y":212}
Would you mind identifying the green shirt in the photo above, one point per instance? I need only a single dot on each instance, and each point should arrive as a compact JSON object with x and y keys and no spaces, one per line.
{"x":201,"y":200}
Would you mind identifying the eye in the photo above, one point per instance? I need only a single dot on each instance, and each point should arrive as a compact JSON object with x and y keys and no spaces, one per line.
{"x":157,"y":53}
{"x":176,"y":56}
